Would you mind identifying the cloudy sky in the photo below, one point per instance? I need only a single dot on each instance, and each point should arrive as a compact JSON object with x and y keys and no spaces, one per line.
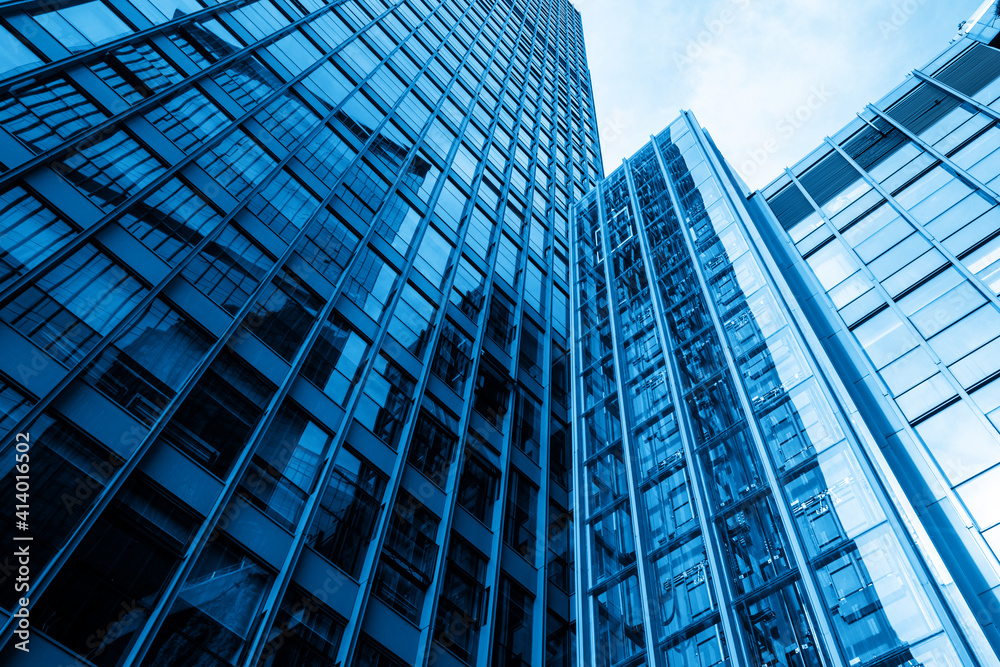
{"x":768,"y":78}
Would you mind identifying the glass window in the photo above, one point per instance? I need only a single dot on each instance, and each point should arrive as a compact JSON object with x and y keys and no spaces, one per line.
{"x":68,"y":310}
{"x":411,"y":321}
{"x":108,"y":171}
{"x":285,"y":465}
{"x":371,"y":283}
{"x":171,"y":219}
{"x":283,"y":314}
{"x":961,"y":444}
{"x":386,"y":401}
{"x":73,"y":469}
{"x":514,"y":622}
{"x":528,"y":424}
{"x":408,"y":557}
{"x":885,"y":338}
{"x":30,"y":232}
{"x":433,"y":441}
{"x":304,"y":633}
{"x":326,"y":246}
{"x":145,"y":367}
{"x":202,"y":627}
{"x":461,"y":601}
{"x":346,"y":518}
{"x":15,"y":56}
{"x":43,"y":114}
{"x":521,"y":517}
{"x":216,"y":419}
{"x":84,"y":25}
{"x":136,"y":71}
{"x":477,"y":488}
{"x":452,"y":359}
{"x":13,"y":405}
{"x":284,"y":205}
{"x":433,"y":257}
{"x":188,"y":119}
{"x":228,"y":269}
{"x":468,"y":289}
{"x":237,"y":164}
{"x":336,"y":358}
{"x":116,"y":574}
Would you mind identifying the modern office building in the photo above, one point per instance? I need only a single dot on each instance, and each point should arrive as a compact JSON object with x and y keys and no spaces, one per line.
{"x":786,"y":403}
{"x":284,"y":315}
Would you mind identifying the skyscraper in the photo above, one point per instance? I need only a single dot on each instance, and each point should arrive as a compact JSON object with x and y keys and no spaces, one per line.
{"x":284,"y":319}
{"x":786,"y":407}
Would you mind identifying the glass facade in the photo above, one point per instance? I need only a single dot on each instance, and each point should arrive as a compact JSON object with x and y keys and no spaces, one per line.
{"x":284,"y":311}
{"x":730,"y":510}
{"x":333,"y":345}
{"x":888,"y":235}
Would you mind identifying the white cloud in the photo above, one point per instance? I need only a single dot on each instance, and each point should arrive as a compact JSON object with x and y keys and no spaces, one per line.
{"x":768,"y":79}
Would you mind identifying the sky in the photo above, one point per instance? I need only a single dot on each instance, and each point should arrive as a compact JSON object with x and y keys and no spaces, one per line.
{"x":769,"y":79}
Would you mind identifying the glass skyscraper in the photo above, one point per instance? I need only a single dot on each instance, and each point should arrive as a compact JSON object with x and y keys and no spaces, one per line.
{"x":284,"y":320}
{"x":786,"y":403}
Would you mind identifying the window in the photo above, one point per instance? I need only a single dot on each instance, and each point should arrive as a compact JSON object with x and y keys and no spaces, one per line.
{"x":521,"y":517}
{"x":108,"y":170}
{"x":283,"y":205}
{"x":84,"y":25}
{"x":433,"y":442}
{"x":461,"y":603}
{"x":16,"y":56}
{"x":228,"y":269}
{"x":285,"y":465}
{"x":336,"y":358}
{"x":532,"y":349}
{"x":136,"y":71}
{"x":72,"y":307}
{"x":116,"y":574}
{"x":62,"y":458}
{"x":304,"y":633}
{"x":371,"y":283}
{"x":433,"y":257}
{"x":205,"y":627}
{"x":411,"y":321}
{"x":370,"y":654}
{"x":452,"y":358}
{"x":188,"y":119}
{"x":408,"y":557}
{"x":284,"y":314}
{"x":216,"y":419}
{"x":512,"y":631}
{"x":13,"y":405}
{"x":346,"y":518}
{"x":477,"y":488}
{"x":492,"y":391}
{"x":43,"y":114}
{"x":238,"y":163}
{"x":145,"y":367}
{"x":500,"y":323}
{"x":527,"y":424}
{"x":468,"y":289}
{"x":30,"y":232}
{"x":171,"y":220}
{"x":326,"y":247}
{"x":386,"y":401}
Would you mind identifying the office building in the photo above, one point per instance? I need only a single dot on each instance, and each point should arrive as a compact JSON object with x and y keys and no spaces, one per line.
{"x":786,"y":402}
{"x":284,"y":314}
